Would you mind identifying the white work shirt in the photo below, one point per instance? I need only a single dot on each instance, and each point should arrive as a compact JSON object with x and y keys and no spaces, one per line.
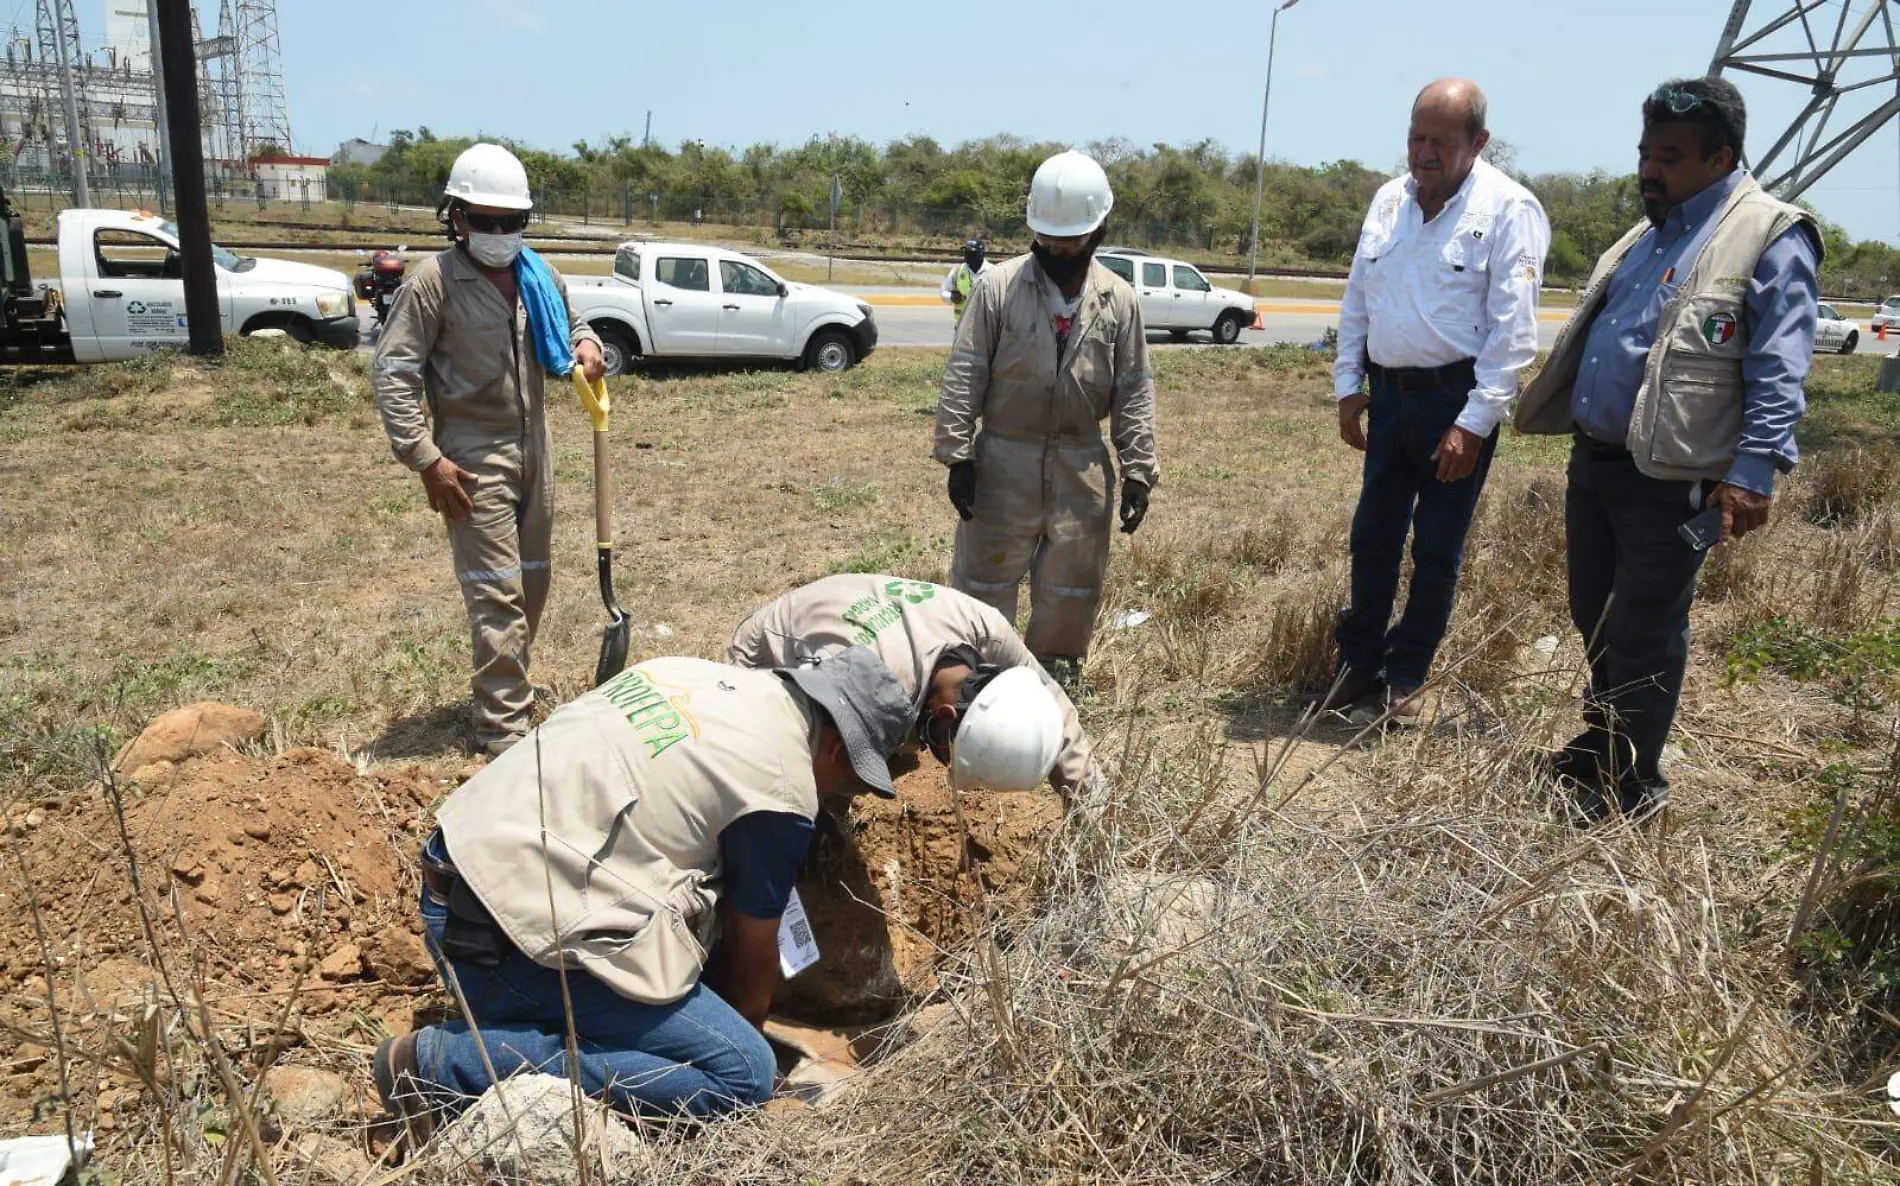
{"x":1464,"y":285}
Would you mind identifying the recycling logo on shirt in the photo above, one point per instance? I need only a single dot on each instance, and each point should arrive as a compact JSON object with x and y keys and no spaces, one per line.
{"x":1719,"y":329}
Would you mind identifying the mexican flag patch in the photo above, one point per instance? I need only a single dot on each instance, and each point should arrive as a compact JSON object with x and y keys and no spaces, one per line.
{"x":1719,"y":329}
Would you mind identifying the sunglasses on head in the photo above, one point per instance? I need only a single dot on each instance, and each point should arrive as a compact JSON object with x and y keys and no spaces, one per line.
{"x":496,"y":224}
{"x":1679,"y":102}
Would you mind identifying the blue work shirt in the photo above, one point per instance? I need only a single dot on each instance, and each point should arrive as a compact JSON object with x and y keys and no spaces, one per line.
{"x":1780,"y":310}
{"x":761,"y":853}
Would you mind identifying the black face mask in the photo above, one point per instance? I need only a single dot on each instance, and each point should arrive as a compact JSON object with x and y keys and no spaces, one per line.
{"x":974,"y":261}
{"x":1063,"y":269}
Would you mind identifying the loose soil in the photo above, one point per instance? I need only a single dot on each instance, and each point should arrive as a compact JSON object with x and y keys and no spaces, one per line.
{"x":296,"y":871}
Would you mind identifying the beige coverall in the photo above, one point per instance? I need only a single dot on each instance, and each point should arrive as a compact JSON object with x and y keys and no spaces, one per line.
{"x":455,"y":375}
{"x":910,"y":624}
{"x":1045,"y":496}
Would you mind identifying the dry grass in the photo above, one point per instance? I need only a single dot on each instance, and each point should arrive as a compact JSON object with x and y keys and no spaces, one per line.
{"x":1280,"y":953}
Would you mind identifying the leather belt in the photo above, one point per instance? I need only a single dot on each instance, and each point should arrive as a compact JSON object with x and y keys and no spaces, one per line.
{"x":438,"y":880}
{"x":1602,"y":449}
{"x":1407,"y":380}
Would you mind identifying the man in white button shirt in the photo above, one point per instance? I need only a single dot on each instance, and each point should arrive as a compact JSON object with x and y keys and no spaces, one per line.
{"x":1440,"y":314}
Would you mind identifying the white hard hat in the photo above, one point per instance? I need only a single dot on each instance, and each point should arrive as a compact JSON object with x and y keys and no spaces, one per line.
{"x":1009,"y":736}
{"x":1069,"y":196}
{"x":489,"y":175}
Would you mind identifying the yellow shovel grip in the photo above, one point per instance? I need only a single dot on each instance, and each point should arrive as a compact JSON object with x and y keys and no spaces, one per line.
{"x":594,"y":398}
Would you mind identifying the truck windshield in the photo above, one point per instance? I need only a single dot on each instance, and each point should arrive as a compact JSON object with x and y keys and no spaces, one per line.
{"x":230,"y":261}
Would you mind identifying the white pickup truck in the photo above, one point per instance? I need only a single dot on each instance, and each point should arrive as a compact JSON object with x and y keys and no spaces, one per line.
{"x":1177,"y":297}
{"x":691,"y":300}
{"x":121,"y":293}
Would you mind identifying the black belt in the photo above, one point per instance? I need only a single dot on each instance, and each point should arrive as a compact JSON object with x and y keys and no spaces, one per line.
{"x":439,"y":881}
{"x":1602,"y":450}
{"x":470,"y":934}
{"x":1407,"y":380}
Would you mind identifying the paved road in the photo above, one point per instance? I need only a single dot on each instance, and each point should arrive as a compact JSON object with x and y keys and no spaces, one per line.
{"x":915,"y":322}
{"x":918,"y":317}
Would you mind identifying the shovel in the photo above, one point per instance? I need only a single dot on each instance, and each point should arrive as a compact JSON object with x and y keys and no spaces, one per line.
{"x":613,"y":640}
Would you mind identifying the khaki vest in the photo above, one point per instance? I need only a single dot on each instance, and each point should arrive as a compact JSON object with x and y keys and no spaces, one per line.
{"x":910,"y":624}
{"x":633,"y":783}
{"x":1688,"y":416}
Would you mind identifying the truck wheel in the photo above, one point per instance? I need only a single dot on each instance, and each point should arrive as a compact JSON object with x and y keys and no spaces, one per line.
{"x":1853,"y":340}
{"x":300,"y":331}
{"x":1227,"y":329}
{"x":616,"y":349}
{"x":829,"y":351}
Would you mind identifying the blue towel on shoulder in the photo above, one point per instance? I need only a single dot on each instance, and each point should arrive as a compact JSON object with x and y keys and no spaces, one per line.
{"x":547,"y":313}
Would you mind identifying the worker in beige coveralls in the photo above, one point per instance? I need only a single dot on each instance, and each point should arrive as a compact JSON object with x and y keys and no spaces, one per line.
{"x":1051,"y":344}
{"x":462,"y":398}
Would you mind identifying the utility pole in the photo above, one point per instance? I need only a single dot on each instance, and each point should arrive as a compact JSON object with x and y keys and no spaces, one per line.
{"x":75,"y":140}
{"x":158,"y":105}
{"x":194,"y":221}
{"x":646,"y":137}
{"x":1260,"y":158}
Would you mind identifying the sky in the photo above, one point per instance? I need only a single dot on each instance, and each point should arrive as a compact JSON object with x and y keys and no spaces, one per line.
{"x":1566,"y":78}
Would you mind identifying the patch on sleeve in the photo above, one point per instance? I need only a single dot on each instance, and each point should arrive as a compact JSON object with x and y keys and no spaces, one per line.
{"x":1719,"y":329}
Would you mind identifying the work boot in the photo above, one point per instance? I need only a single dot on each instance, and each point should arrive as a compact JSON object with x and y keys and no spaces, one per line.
{"x":399,"y":1082}
{"x":1594,"y":803}
{"x":495,"y":747}
{"x":1347,"y":689}
{"x":1397,"y":708}
{"x":1067,"y":672}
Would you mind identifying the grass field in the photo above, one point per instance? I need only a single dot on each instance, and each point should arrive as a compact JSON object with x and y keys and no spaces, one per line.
{"x":1393,"y":961}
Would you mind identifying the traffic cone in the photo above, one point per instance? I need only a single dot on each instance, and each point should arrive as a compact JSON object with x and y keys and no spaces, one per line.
{"x":1880,"y":333}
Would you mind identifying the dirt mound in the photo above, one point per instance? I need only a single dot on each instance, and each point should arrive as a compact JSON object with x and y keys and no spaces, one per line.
{"x":298,"y":870}
{"x":891,"y":891}
{"x":268,"y":861}
{"x":186,"y":732}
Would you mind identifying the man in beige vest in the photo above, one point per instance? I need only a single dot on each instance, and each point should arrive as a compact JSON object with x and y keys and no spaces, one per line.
{"x":1679,"y":378}
{"x":459,"y":382}
{"x":601,"y":850}
{"x":933,"y":637}
{"x":1050,"y":344}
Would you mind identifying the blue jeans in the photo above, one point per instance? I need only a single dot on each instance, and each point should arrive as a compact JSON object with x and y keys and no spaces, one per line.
{"x":695,"y":1057}
{"x":1400,"y":495}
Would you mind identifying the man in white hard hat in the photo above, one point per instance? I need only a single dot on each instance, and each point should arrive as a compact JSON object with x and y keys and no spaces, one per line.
{"x":935,"y":639}
{"x":961,"y":281}
{"x":577,"y":880}
{"x":1049,"y":346}
{"x":458,"y":377}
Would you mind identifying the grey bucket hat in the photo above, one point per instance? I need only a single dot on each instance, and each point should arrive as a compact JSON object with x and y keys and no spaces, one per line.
{"x":868,"y":704}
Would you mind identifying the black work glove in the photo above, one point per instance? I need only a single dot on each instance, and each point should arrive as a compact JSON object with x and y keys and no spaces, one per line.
{"x":963,"y":488}
{"x":1134,"y":505}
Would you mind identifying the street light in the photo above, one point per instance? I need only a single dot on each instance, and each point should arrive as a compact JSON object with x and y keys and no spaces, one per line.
{"x":1260,"y":159}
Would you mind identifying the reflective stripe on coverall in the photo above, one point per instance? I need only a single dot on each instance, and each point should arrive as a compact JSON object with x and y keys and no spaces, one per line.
{"x":1045,"y":487}
{"x":453,"y":347}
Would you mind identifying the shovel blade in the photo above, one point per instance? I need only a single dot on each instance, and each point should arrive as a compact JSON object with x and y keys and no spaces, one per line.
{"x":613,"y":649}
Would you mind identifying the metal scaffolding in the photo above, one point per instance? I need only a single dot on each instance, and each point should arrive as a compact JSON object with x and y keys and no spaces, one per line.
{"x":1844,"y":53}
{"x":63,"y":100}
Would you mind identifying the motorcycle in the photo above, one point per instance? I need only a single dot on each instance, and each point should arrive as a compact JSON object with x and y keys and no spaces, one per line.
{"x":378,"y":280}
